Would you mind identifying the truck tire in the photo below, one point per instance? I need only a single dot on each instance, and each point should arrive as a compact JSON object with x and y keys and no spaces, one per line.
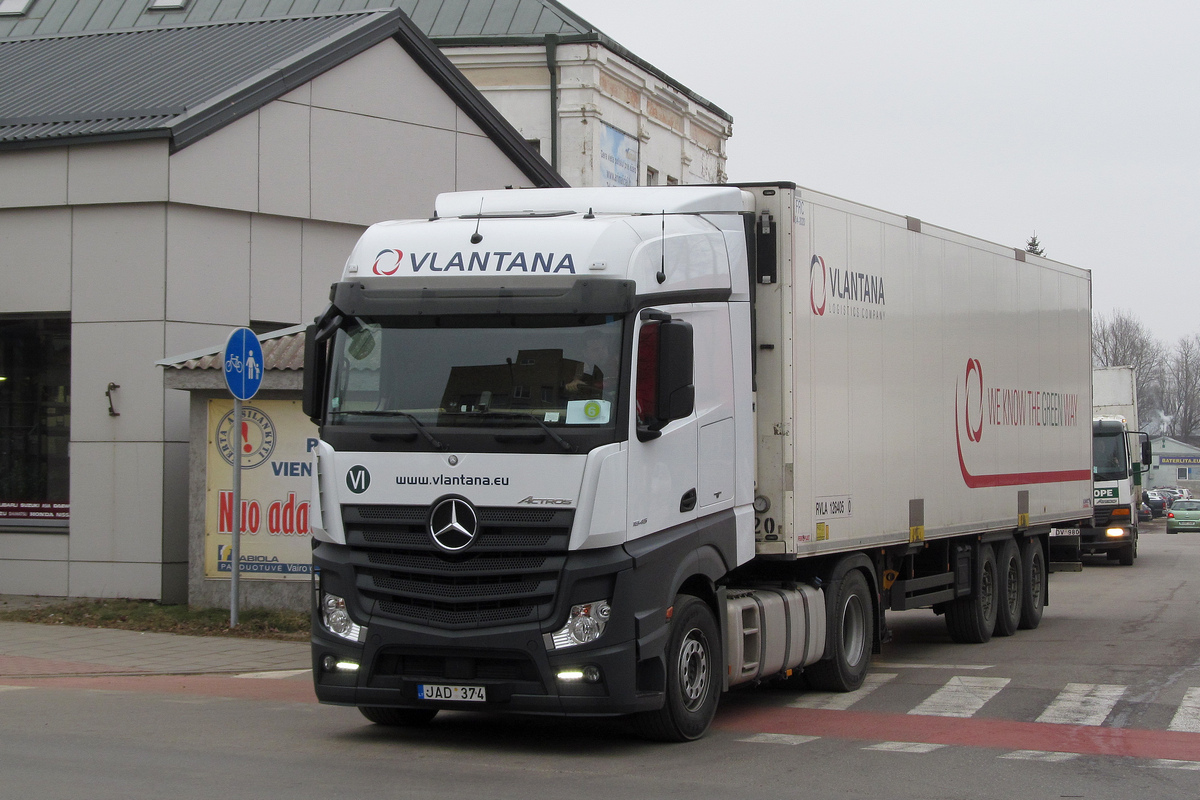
{"x":398,"y":717}
{"x":971,"y":619}
{"x":1126,"y":555}
{"x":1009,"y":586}
{"x":694,"y":668}
{"x":1033,"y":583}
{"x":851,"y":631}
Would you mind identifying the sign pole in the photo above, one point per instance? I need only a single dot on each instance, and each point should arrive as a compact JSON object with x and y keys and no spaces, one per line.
{"x":243,"y":361}
{"x":236,"y":550}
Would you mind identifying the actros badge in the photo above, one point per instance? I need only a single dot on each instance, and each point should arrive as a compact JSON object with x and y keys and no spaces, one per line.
{"x":453,"y":524}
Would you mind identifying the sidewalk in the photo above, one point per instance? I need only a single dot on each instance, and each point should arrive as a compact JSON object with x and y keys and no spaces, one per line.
{"x":30,"y":650}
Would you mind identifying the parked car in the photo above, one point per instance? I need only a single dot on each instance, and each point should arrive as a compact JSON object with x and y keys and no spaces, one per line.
{"x":1184,"y":516}
{"x":1144,"y":514}
{"x":1171,"y":493}
{"x":1157,"y":502}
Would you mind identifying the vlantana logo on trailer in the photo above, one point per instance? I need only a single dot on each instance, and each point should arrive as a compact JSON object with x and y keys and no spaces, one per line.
{"x":986,"y":416}
{"x":837,"y":291}
{"x":391,"y":261}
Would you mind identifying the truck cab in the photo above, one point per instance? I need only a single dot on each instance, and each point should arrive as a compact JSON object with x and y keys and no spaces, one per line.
{"x":1116,"y":490}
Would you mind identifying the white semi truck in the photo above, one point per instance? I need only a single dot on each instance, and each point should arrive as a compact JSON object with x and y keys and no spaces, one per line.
{"x":1120,"y":455}
{"x":614,"y":451}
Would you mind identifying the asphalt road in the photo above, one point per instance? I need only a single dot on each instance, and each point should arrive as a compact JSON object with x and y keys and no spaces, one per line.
{"x":1101,"y":701}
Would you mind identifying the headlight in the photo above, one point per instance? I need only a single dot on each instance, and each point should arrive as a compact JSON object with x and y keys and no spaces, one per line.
{"x":585,"y":624}
{"x":1115,"y":533}
{"x":336,"y":618}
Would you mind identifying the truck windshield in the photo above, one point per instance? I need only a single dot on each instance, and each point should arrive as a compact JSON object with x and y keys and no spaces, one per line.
{"x":548,"y":372}
{"x":1108,"y":457}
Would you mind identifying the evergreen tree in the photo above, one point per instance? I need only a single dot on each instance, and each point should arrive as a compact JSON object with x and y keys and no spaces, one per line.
{"x":1034,"y":246}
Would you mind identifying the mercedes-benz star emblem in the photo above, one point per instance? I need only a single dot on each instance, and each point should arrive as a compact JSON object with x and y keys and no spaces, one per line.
{"x":453,"y":524}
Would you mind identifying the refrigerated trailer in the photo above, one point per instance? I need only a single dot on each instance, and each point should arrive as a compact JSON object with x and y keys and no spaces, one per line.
{"x":614,"y":451}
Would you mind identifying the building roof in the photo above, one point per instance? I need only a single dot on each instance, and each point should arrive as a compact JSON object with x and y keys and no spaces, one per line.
{"x":282,"y":350}
{"x":449,"y":23}
{"x":185,"y":81}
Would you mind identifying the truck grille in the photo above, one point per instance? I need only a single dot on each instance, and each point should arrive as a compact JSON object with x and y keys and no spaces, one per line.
{"x":509,"y":575}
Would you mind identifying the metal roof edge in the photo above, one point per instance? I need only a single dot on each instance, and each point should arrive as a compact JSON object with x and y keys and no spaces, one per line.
{"x":502,"y":133}
{"x":276,"y":81}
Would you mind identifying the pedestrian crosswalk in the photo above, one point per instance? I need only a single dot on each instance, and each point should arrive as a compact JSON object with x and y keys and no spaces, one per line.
{"x":1082,"y":704}
{"x":988,"y":700}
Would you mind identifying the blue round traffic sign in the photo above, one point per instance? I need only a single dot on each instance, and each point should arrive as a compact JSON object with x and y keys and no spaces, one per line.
{"x":243,"y":360}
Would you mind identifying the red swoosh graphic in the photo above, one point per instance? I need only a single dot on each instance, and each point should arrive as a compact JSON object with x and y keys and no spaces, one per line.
{"x":1011,"y":478}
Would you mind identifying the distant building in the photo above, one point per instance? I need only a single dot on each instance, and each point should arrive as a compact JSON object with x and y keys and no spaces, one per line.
{"x":1175,"y":463}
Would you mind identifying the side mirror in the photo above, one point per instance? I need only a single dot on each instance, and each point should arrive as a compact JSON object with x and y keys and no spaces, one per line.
{"x":665,"y":374}
{"x":312,"y":394}
{"x":1147,"y":455}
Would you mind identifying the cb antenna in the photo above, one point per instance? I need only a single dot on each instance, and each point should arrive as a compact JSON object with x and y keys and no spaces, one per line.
{"x":477,"y":237}
{"x":662,"y":264}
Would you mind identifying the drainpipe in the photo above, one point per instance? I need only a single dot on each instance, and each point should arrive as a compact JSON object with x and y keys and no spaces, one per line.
{"x":552,"y":65}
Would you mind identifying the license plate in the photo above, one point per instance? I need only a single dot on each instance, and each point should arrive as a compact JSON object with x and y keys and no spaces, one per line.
{"x":1064,"y":531}
{"x":442,"y":691}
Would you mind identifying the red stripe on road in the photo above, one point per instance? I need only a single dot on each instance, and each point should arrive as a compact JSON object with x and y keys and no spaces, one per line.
{"x":298,"y":689}
{"x":991,"y":733}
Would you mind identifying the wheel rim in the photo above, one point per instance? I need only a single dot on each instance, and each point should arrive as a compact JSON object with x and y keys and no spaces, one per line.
{"x":693,"y":669}
{"x":1035,"y":580}
{"x":1014,"y":587}
{"x":987,"y":590}
{"x":854,"y":630}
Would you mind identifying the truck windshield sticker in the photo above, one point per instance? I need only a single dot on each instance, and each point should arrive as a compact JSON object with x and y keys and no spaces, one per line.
{"x":389,"y":262}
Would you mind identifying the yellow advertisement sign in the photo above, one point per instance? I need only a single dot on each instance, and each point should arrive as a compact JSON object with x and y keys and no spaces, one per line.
{"x":277,"y":440}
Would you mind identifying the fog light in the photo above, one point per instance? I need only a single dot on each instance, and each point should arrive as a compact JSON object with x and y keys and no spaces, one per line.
{"x":334,"y":664}
{"x":585,"y":624}
{"x":588,"y":674}
{"x":1115,"y":533}
{"x":336,"y":618}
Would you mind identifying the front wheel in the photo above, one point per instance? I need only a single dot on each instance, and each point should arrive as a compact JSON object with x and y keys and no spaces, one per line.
{"x":694,"y":668}
{"x":851,"y":631}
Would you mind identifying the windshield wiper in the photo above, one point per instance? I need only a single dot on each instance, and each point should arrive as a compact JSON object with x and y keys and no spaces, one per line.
{"x":429,"y":437}
{"x":566,"y":446}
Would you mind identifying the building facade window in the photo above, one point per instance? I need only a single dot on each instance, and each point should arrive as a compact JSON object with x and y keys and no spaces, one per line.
{"x":35,"y":421}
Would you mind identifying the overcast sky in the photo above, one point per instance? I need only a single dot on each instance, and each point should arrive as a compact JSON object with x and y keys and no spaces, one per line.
{"x":1077,"y":120}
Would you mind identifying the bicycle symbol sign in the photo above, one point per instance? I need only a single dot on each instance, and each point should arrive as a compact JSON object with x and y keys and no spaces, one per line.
{"x":243,"y":359}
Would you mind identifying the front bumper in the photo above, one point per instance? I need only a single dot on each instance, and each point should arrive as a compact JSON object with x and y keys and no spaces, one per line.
{"x":514,"y":664}
{"x":1098,"y":540}
{"x":513,"y":667}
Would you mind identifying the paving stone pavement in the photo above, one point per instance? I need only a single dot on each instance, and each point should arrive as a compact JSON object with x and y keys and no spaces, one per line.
{"x":29,"y":650}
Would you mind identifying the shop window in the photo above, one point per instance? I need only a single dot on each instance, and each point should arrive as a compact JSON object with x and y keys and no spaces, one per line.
{"x":35,"y":421}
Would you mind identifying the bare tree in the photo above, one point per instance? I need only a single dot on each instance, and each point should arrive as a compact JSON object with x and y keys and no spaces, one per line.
{"x":1181,"y":390}
{"x":1123,"y":341}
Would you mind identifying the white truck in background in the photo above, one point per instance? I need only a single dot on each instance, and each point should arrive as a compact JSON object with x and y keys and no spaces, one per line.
{"x":1120,"y":455}
{"x":613,"y":451}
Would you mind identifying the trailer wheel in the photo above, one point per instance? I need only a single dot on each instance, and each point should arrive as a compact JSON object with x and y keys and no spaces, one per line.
{"x":1009,"y":588}
{"x":399,"y":717}
{"x":851,"y":629}
{"x":972,"y":619}
{"x":1033,"y":583}
{"x":694,"y":666}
